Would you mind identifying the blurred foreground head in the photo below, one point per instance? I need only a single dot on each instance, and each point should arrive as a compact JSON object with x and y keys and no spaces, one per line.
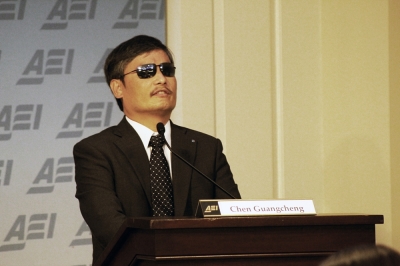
{"x":364,"y":255}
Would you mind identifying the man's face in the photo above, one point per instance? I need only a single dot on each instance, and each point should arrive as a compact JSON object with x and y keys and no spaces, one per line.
{"x":155,"y":96}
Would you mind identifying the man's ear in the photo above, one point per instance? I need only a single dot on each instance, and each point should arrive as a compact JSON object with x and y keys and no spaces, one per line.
{"x":117,"y":88}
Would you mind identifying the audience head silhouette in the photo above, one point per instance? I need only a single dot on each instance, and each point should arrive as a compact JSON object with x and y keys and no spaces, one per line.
{"x":364,"y":255}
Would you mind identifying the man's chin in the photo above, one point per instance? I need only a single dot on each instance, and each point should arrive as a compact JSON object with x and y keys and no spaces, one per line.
{"x":163,"y":110}
{"x":164,"y":107}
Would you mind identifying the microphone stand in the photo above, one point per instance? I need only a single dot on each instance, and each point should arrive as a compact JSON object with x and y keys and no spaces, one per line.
{"x":161,"y":131}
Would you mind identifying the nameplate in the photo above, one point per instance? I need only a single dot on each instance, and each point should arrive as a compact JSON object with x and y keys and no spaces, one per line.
{"x":218,"y":208}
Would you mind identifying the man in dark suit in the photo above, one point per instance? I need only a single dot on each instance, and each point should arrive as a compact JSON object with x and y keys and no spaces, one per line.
{"x":112,"y":167}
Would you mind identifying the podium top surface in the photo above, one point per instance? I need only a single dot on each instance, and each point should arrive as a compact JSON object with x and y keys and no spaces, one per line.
{"x":253,"y":221}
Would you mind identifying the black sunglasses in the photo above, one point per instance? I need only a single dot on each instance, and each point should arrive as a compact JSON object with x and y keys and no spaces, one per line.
{"x":149,"y":70}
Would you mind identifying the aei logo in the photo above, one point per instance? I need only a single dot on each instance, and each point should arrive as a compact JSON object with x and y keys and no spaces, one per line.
{"x":135,"y":10}
{"x":98,"y":76}
{"x":51,"y":174}
{"x":66,"y":10}
{"x":12,"y":9}
{"x":5,"y":172}
{"x":37,"y":226}
{"x":83,"y":236}
{"x":95,"y":114}
{"x":54,"y":62}
{"x":23,"y":117}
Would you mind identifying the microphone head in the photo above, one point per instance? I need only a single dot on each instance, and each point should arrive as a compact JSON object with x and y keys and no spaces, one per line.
{"x":160,"y":128}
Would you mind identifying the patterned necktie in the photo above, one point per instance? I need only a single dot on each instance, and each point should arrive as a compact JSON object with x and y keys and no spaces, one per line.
{"x":160,"y":179}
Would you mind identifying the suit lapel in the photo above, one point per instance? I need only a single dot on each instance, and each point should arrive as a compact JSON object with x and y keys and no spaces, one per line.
{"x":181,"y":173}
{"x":131,"y":146}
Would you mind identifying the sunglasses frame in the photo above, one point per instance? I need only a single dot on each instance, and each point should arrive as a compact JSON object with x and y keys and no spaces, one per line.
{"x":149,"y":70}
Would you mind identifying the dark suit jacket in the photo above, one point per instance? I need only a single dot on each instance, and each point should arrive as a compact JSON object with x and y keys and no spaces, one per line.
{"x":112,"y":177}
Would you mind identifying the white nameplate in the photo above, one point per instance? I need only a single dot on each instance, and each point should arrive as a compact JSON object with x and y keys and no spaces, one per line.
{"x":218,"y":208}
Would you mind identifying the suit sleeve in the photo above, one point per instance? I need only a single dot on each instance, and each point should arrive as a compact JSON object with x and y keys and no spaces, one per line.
{"x":98,"y":202}
{"x":223,"y":175}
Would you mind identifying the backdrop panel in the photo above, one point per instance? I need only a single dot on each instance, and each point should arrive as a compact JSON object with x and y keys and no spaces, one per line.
{"x":52,"y":94}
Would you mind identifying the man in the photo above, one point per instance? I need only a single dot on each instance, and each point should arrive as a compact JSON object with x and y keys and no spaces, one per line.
{"x":113,"y":168}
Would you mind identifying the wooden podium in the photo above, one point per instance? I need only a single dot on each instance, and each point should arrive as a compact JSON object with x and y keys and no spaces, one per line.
{"x":267,"y":240}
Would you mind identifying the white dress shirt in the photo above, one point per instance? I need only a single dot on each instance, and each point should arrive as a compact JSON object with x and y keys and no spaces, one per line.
{"x":145,"y":134}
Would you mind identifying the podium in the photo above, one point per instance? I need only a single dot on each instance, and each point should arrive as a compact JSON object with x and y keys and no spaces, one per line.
{"x":267,"y":240}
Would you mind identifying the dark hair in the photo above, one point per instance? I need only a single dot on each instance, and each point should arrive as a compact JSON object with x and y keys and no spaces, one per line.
{"x":364,"y":255}
{"x":124,"y":53}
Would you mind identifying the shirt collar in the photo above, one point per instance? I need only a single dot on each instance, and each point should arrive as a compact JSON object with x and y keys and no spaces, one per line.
{"x":145,"y":133}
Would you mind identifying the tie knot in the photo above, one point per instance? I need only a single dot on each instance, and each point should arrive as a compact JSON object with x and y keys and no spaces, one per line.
{"x":156,"y":141}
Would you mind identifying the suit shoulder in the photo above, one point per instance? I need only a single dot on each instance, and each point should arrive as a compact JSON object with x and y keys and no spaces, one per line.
{"x":99,"y":137}
{"x":195,"y":134}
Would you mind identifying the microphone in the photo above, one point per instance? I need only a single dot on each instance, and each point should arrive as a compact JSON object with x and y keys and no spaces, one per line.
{"x":161,"y":131}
